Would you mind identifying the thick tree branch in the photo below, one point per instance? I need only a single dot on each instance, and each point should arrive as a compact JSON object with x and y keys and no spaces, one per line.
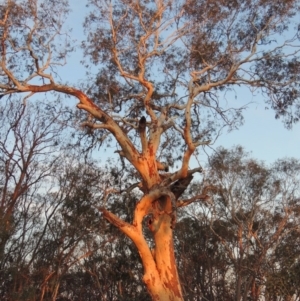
{"x":200,"y":197}
{"x":88,"y":105}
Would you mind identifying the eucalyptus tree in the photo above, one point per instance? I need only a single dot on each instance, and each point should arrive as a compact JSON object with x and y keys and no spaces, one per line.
{"x":254,"y":214}
{"x":162,"y":70}
{"x":30,"y":142}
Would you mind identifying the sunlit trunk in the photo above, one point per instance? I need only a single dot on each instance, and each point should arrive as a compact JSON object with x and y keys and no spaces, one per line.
{"x":165,"y":260}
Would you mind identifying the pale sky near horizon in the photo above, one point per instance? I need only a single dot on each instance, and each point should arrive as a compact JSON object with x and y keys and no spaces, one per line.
{"x":262,"y":135}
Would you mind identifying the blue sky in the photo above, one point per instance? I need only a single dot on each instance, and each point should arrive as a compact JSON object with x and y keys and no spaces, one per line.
{"x":264,"y":135}
{"x":261,"y":134}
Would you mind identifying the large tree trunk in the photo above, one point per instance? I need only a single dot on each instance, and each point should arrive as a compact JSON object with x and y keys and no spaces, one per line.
{"x":160,"y":271}
{"x":165,"y":259}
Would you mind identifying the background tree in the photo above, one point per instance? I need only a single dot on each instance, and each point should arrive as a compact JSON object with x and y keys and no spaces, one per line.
{"x":30,"y":140}
{"x":203,"y":264}
{"x":253,"y":214}
{"x":163,"y":66}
